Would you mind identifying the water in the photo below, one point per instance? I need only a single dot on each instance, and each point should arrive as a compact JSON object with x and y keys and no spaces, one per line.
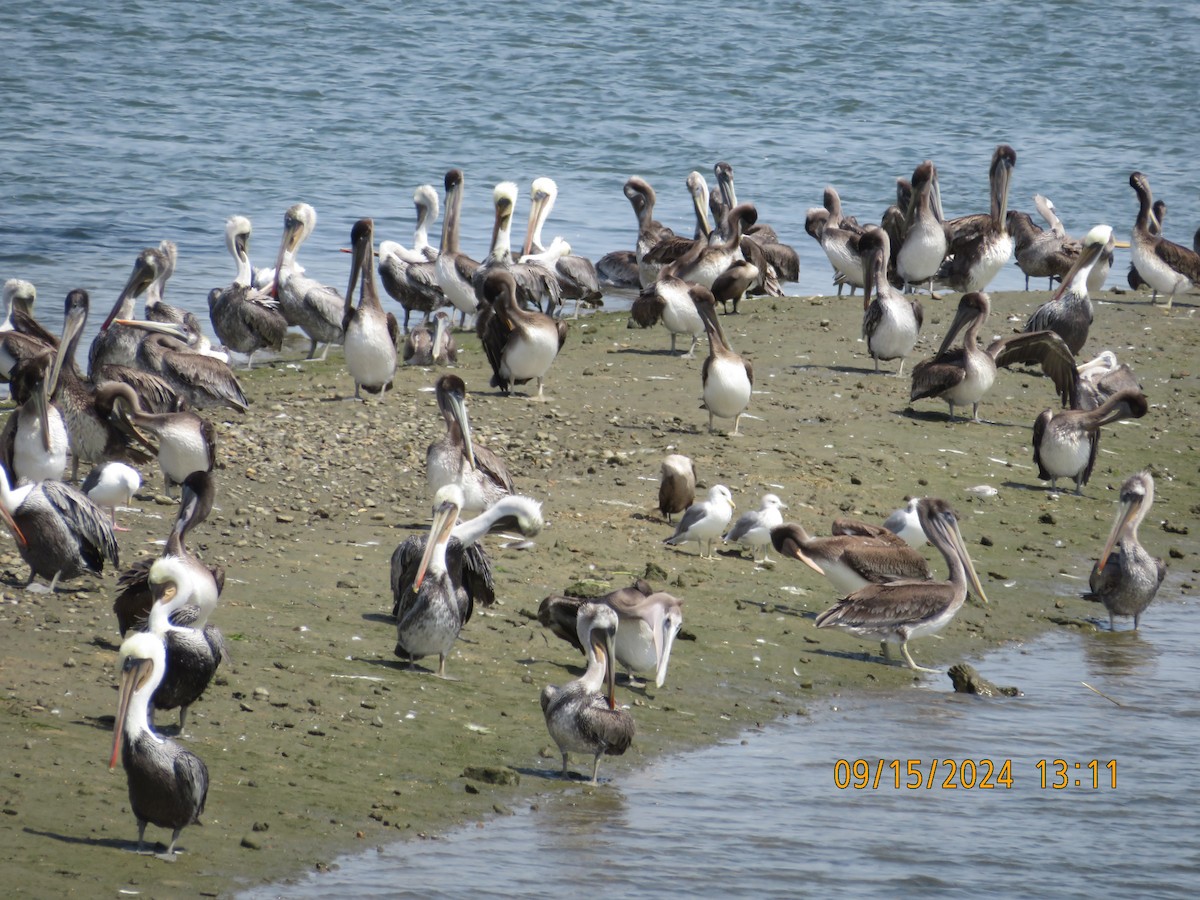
{"x":123,"y":127}
{"x":763,"y":816}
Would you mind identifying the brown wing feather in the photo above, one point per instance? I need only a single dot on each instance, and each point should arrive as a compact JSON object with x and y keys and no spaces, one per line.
{"x":933,"y":377}
{"x":493,"y":466}
{"x":1179,"y":258}
{"x":1047,"y":349}
{"x":881,"y":605}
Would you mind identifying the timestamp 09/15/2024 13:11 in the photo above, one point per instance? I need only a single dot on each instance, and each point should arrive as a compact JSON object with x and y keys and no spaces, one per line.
{"x":970,"y":774}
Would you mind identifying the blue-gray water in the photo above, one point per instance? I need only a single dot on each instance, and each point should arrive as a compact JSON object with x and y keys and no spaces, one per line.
{"x":763,"y":816}
{"x":124,"y":126}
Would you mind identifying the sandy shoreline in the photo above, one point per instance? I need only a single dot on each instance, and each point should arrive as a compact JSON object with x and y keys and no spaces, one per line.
{"x":317,"y":743}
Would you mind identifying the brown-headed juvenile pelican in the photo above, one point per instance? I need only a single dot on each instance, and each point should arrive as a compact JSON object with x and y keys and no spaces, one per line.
{"x":159,"y":311}
{"x":979,"y":245}
{"x":194,"y":650}
{"x":760,"y":242}
{"x":1065,"y":443}
{"x":187,"y":442}
{"x":61,"y":532}
{"x":651,"y":232}
{"x":753,"y":528}
{"x":455,"y":458}
{"x":669,"y":300}
{"x":135,"y":599}
{"x":891,"y":322}
{"x":727,"y":380}
{"x":965,"y":375}
{"x":677,"y":485}
{"x":116,"y":344}
{"x":1126,"y":578}
{"x":1069,"y":312}
{"x":431,"y":613}
{"x":1164,"y":265}
{"x":852,"y":561}
{"x":370,"y":334}
{"x":1158,"y":215}
{"x":168,"y":785}
{"x":410,"y":275}
{"x":1041,"y":253}
{"x":423,"y":347}
{"x":455,"y":270}
{"x":466,"y":558}
{"x":900,"y":610}
{"x":673,"y":248}
{"x":520,"y":344}
{"x":704,"y":521}
{"x":648,"y":619}
{"x":204,"y":381}
{"x":840,"y":246}
{"x":245,"y":318}
{"x":314,"y":308}
{"x":33,"y":442}
{"x":734,"y":282}
{"x":579,"y":717}
{"x":709,"y":260}
{"x":577,"y":278}
{"x":920,"y":255}
{"x":1101,"y":377}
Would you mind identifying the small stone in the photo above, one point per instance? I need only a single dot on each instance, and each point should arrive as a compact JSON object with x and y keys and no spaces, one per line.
{"x":492,"y":775}
{"x":261,"y":693}
{"x":1047,"y":518}
{"x":284,"y":518}
{"x":251,"y":843}
{"x":470,"y":788}
{"x":70,"y":663}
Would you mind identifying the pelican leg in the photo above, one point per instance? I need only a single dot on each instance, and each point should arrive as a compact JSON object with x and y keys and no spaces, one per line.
{"x":170,"y":855}
{"x":672,"y":343}
{"x":975,"y":411}
{"x":737,"y":421}
{"x":900,"y":373}
{"x":885,"y":651}
{"x":1136,"y":620}
{"x":539,"y":396}
{"x":1112,"y":625}
{"x":595,"y":768}
{"x":141,"y":844}
{"x":312,"y":349}
{"x":325,"y":352}
{"x":908,"y":657}
{"x":711,"y":430}
{"x":691,"y":350}
{"x":564,"y":768}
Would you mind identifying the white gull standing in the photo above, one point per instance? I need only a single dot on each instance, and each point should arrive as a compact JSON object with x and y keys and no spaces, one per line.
{"x":704,"y":520}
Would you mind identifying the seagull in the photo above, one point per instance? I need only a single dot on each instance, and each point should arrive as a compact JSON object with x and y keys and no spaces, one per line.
{"x":704,"y":521}
{"x":753,"y":528}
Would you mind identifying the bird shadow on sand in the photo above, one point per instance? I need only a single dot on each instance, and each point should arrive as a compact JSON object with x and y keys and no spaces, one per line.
{"x":940,"y":417}
{"x":383,"y":618}
{"x":665,"y":351}
{"x":112,"y":843}
{"x":768,"y":606}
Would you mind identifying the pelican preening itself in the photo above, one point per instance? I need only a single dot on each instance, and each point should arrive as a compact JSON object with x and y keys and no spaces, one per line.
{"x":579,"y":718}
{"x":649,"y":621}
{"x":369,"y":334}
{"x":979,"y":245}
{"x":33,"y":442}
{"x":727,"y":380}
{"x":1065,"y":442}
{"x":455,"y":458}
{"x":1041,"y":253}
{"x":1126,"y":578}
{"x":965,"y":375}
{"x":314,"y":308}
{"x":204,"y":381}
{"x":677,"y":485}
{"x":891,"y":321}
{"x":853,"y":559}
{"x":1101,"y":377}
{"x":521,"y":345}
{"x":1069,"y":312}
{"x":1164,"y":265}
{"x":705,"y":520}
{"x":901,"y":609}
{"x":168,"y":785}
{"x":753,"y":527}
{"x":436,"y":347}
{"x":924,"y":246}
{"x":245,"y":318}
{"x":410,"y":275}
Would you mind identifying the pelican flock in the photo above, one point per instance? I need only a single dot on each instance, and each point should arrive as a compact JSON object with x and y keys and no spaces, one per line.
{"x":149,"y":376}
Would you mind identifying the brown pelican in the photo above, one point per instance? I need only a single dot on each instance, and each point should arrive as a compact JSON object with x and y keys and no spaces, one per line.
{"x":91,"y":436}
{"x":1126,"y":577}
{"x":902,"y":609}
{"x":423,"y":347}
{"x":920,"y":255}
{"x":535,"y":283}
{"x":1065,"y":443}
{"x":135,"y":599}
{"x":704,"y":520}
{"x":245,"y":318}
{"x":852,"y":561}
{"x":116,"y":344}
{"x":520,"y":344}
{"x":410,"y":275}
{"x":1101,"y":377}
{"x":18,"y":295}
{"x":753,"y":528}
{"x":456,"y":459}
{"x":759,"y":238}
{"x":112,"y":484}
{"x":430,"y":615}
{"x":1069,"y":312}
{"x":1164,"y":265}
{"x":465,"y":554}
{"x":33,"y":442}
{"x":579,"y":718}
{"x":313,"y":307}
{"x":159,"y":311}
{"x":840,"y":246}
{"x":726,"y":378}
{"x":370,"y":334}
{"x":187,"y":442}
{"x":979,"y":245}
{"x":167,"y":784}
{"x":576,"y":275}
{"x":669,"y":300}
{"x":194,"y":650}
{"x":648,"y":624}
{"x":891,"y":321}
{"x":965,"y":375}
{"x":709,"y":260}
{"x":61,"y":532}
{"x":1158,"y":215}
{"x":651,"y":232}
{"x":15,"y":342}
{"x":619,"y":268}
{"x":677,"y":487}
{"x":455,"y":270}
{"x":1041,"y":253}
{"x":205,"y":381}
{"x":734,"y":282}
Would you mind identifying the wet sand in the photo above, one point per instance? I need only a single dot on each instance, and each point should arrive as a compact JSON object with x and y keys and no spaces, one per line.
{"x":318,"y":743}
